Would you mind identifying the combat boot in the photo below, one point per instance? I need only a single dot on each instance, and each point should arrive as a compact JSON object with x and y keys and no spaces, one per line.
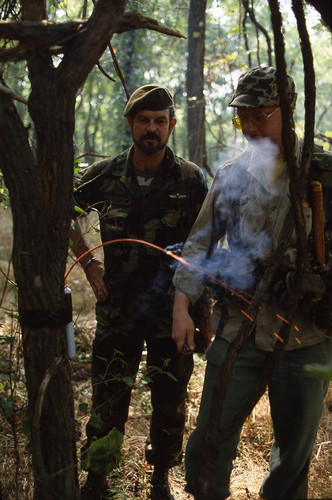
{"x":96,"y":487}
{"x":160,"y":487}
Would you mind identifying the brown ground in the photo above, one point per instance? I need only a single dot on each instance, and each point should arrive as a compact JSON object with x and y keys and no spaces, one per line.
{"x":131,"y":480}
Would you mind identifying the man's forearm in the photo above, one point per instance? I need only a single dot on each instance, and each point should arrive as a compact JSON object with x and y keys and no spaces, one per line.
{"x":80,"y":246}
{"x":93,"y":267}
{"x":181,"y":302}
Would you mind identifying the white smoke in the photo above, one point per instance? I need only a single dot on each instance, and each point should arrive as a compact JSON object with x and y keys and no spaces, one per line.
{"x":244,"y":196}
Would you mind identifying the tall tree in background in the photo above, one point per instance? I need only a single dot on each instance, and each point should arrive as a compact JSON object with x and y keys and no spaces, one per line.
{"x":195,"y":83}
{"x":40,"y":188}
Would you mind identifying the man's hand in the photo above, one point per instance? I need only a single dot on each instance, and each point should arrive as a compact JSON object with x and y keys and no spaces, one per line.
{"x":183,"y":326}
{"x":93,"y":268}
{"x":94,"y":273}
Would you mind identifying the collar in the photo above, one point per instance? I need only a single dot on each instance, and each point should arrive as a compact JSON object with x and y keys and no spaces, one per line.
{"x":122,"y":164}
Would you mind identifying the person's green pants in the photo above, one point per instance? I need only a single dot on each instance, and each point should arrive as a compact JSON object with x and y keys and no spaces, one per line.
{"x":296,"y":401}
{"x":117,"y":351}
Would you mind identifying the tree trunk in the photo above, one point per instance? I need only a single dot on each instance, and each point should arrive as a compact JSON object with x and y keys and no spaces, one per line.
{"x":41,"y":223}
{"x":195,"y":82}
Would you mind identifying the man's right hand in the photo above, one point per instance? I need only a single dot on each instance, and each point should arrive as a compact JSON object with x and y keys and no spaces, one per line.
{"x":94,"y":273}
{"x":183,"y":326}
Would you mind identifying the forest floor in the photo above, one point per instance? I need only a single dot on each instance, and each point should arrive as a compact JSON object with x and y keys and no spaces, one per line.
{"x":131,"y":481}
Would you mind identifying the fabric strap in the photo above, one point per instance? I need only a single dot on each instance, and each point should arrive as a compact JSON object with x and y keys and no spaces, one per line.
{"x":42,"y":318}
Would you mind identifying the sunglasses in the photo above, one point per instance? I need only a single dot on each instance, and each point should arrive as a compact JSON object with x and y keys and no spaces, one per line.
{"x":259,"y":119}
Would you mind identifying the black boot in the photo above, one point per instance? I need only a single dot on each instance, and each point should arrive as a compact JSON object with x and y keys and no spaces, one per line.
{"x":160,"y":487}
{"x":96,"y":487}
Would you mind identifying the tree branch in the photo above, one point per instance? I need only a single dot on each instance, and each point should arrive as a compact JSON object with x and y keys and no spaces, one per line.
{"x":309,"y":89}
{"x":133,"y":19}
{"x":39,"y":31}
{"x":259,"y":27}
{"x":57,"y":38}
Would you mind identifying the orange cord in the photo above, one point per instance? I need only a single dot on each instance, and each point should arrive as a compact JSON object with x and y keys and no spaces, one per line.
{"x":176,"y":257}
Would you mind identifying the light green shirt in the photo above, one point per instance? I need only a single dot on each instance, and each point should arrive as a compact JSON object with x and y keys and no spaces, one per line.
{"x":263,"y":204}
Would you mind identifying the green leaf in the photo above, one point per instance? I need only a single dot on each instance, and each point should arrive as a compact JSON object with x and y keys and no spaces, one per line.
{"x":319,"y":371}
{"x":8,"y":340}
{"x":26,"y":428}
{"x":5,"y":364}
{"x":8,"y":406}
{"x":129,"y":381}
{"x":83,"y":407}
{"x":12,"y":314}
{"x":95,"y":420}
{"x":79,"y":210}
{"x":103,"y":455}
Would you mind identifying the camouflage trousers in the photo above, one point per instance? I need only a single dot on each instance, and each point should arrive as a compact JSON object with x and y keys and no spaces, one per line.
{"x":117,"y":353}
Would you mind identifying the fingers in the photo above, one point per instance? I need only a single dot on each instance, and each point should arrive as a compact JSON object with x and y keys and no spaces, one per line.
{"x":189,"y":345}
{"x":184,"y":339}
{"x":100,"y":294}
{"x":94,"y":274}
{"x":99,"y":288}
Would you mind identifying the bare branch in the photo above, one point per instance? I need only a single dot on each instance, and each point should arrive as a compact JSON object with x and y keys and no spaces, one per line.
{"x":101,"y":69}
{"x":259,"y":27}
{"x":118,"y":70}
{"x":36,"y":31}
{"x":133,"y":19}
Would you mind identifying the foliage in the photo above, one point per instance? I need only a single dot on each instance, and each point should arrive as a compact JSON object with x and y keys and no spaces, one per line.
{"x":320,"y":371}
{"x":145,"y":56}
{"x":103,"y":455}
{"x":4,"y":197}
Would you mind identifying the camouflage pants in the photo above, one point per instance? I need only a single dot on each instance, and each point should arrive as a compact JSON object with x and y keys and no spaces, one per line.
{"x":116,"y":358}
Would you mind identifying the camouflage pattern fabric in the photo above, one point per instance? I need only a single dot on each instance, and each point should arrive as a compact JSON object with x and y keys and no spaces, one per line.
{"x":139,"y":306}
{"x":162,"y":214}
{"x":115,"y":362}
{"x":258,"y":88}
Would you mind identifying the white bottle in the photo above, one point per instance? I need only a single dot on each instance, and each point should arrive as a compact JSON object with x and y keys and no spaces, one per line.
{"x":70,"y":326}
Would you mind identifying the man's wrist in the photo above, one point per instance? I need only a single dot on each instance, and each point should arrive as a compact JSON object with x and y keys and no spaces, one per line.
{"x":87,"y":264}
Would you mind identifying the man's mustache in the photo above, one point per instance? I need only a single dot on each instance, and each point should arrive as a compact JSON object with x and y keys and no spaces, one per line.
{"x":151,"y":135}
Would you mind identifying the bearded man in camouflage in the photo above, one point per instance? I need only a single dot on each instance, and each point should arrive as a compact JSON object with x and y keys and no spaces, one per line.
{"x":234,"y":236}
{"x":146,"y":193}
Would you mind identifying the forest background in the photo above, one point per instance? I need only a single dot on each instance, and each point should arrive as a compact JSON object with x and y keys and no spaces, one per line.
{"x":233,"y":43}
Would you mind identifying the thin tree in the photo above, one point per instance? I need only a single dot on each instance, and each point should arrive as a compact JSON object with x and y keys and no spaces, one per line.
{"x":195,"y":83}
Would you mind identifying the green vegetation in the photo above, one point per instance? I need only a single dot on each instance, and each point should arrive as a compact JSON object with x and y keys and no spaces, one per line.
{"x":145,"y":56}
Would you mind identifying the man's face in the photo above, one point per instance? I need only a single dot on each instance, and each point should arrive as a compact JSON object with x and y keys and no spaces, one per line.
{"x":261,"y":123}
{"x":151,"y":130}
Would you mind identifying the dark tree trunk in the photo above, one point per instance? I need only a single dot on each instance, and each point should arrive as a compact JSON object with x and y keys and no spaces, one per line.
{"x":195,"y":82}
{"x":324,"y":7}
{"x":41,"y":197}
{"x":41,"y":223}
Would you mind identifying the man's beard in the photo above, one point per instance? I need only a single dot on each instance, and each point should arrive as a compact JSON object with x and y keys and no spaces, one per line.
{"x":150,"y":148}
